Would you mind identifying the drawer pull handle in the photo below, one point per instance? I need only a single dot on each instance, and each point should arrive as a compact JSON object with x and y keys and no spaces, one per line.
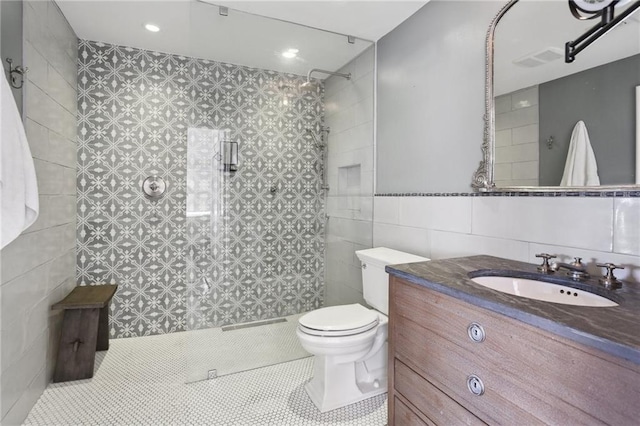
{"x":476,"y":332}
{"x":475,"y":385}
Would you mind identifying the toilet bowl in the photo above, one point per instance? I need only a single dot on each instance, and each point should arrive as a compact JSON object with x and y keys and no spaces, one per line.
{"x":350,"y":357}
{"x":349,"y":342}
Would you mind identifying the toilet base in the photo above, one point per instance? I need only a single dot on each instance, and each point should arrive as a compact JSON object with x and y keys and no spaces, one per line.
{"x":336,"y":385}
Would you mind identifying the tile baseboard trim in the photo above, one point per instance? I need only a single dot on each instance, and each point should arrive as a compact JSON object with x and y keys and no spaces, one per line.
{"x":601,"y":194}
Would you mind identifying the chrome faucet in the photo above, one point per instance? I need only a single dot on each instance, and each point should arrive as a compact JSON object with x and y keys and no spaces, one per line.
{"x":545,"y":268}
{"x":576,"y":270}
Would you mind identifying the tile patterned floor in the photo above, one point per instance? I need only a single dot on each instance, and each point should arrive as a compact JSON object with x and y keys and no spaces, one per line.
{"x":253,"y":346}
{"x":141,"y":381}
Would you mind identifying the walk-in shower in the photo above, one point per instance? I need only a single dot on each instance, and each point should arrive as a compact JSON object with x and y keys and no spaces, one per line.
{"x":239,"y":136}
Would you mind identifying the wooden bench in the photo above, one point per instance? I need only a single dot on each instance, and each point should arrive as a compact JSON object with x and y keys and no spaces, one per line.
{"x":85,"y":329}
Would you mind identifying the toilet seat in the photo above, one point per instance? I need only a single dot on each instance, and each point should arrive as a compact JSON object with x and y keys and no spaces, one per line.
{"x":343,"y":320}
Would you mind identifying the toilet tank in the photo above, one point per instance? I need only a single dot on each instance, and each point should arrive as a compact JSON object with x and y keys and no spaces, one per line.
{"x":375,"y":281}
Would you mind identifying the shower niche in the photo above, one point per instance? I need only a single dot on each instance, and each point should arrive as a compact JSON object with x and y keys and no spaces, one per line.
{"x":349,"y":180}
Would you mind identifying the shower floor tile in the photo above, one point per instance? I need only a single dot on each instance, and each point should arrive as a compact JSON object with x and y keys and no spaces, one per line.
{"x":142,"y":381}
{"x":251,"y":345}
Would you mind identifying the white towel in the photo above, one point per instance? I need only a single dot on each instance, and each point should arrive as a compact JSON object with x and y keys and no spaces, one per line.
{"x":18,"y":186}
{"x":580,"y":168}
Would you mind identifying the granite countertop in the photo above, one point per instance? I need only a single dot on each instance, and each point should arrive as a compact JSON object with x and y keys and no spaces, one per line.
{"x":614,"y":330}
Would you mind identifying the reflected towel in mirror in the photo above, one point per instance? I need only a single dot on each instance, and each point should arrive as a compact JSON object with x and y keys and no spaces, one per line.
{"x":18,"y":186}
{"x":580,"y":168}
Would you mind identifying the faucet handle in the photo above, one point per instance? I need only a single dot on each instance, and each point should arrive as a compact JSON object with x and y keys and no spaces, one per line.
{"x":546,"y":256}
{"x":545,"y":267}
{"x":610,"y":280}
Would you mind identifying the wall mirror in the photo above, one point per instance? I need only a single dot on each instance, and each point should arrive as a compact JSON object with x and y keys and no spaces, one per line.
{"x":535,"y":102}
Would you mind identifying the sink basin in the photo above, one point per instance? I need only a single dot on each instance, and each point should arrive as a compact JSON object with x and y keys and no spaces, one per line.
{"x":541,"y":290}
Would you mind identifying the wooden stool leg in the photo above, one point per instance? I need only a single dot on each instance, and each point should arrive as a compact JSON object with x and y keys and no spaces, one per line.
{"x":77,"y":350}
{"x":103,"y":329}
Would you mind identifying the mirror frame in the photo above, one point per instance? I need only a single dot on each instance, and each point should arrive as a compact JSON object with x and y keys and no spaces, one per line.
{"x":483,"y":178}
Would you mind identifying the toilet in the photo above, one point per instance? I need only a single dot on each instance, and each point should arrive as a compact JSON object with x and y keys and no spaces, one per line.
{"x":349,"y":342}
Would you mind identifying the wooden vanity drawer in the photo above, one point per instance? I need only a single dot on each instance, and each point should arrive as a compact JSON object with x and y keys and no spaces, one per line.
{"x":448,"y":367}
{"x":404,"y":416}
{"x":432,"y":402}
{"x":516,"y":362}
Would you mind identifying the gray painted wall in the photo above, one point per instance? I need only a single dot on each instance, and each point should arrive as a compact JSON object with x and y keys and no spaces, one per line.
{"x":38,"y":268}
{"x":602,"y":97}
{"x":430,"y":98}
{"x":11,"y":38}
{"x":510,"y":227}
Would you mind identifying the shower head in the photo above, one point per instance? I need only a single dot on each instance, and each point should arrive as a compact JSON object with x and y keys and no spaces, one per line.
{"x":310,"y":86}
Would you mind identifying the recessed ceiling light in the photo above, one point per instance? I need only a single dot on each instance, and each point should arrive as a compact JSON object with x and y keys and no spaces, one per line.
{"x":153,"y":28}
{"x":290,"y":53}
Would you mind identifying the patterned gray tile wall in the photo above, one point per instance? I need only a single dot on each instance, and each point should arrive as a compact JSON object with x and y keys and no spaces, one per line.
{"x":264,"y":257}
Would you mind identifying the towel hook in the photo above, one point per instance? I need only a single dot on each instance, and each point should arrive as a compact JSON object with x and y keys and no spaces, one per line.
{"x":19,"y":70}
{"x":550,"y":142}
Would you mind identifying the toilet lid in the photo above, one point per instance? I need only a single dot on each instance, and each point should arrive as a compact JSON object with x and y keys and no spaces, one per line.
{"x":339,"y":320}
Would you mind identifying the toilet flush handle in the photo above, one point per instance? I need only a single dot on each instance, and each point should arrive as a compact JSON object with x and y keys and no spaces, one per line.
{"x":364,"y":266}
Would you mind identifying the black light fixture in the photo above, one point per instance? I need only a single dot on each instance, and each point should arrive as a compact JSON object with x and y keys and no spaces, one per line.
{"x":591,"y":9}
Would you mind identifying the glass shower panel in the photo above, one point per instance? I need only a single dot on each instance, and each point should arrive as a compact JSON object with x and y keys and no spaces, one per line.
{"x":255,"y":232}
{"x":350,"y":174}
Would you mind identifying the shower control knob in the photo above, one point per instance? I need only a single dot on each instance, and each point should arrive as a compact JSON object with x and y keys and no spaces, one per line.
{"x":475,"y":385}
{"x":154,"y":187}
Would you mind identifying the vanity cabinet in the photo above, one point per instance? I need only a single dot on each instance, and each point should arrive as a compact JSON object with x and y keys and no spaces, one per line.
{"x":451,"y":362}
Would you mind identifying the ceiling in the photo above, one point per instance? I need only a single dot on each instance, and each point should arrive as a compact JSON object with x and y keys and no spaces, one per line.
{"x":197,"y":29}
{"x":369,"y":20}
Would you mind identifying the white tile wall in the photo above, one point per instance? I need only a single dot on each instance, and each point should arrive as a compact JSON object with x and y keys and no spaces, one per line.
{"x":525,"y":170}
{"x":403,"y":238}
{"x":349,"y":114}
{"x":38,"y":268}
{"x":448,"y":244}
{"x":524,"y":98}
{"x":517,"y":153}
{"x":503,"y":138}
{"x":576,"y":222}
{"x":626,"y":229}
{"x":525,"y":134}
{"x":503,"y":104}
{"x":597,"y":229}
{"x":446,"y":214}
{"x":386,"y":210}
{"x":517,"y":118}
{"x":517,"y":139}
{"x":50,"y":146}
